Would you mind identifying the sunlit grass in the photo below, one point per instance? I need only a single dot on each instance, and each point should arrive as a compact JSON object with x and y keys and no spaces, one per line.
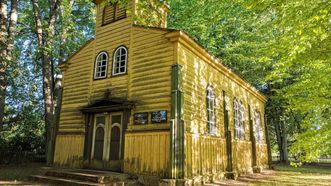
{"x":304,"y":175}
{"x":320,"y":169}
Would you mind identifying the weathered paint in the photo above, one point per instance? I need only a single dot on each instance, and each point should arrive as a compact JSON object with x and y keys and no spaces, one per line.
{"x":198,"y":73}
{"x":147,"y":148}
{"x":147,"y":83}
{"x":69,"y":150}
{"x":205,"y":155}
{"x":147,"y":153}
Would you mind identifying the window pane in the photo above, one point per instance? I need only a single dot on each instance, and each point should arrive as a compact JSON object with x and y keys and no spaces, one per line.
{"x":120,"y":60}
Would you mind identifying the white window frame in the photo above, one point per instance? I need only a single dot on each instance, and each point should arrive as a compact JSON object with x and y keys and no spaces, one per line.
{"x":210,"y":107}
{"x":119,"y":49}
{"x":98,"y":65}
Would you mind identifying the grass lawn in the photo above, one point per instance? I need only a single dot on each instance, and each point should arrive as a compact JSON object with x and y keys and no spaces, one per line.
{"x":18,"y":174}
{"x":286,"y":175}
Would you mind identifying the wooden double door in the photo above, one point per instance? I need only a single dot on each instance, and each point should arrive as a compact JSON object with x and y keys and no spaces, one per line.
{"x":107,"y":143}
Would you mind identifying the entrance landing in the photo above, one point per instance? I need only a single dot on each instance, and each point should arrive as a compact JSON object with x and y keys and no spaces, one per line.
{"x":84,"y":177}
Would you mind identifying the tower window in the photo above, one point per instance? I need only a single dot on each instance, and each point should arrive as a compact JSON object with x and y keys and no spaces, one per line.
{"x":113,"y":12}
{"x":100,"y":67}
{"x":120,"y":60}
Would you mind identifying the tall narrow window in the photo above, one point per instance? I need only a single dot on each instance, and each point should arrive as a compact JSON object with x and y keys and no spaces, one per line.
{"x":211,"y":111}
{"x":241,"y":121}
{"x":100,"y":69}
{"x":120,"y":61}
{"x":236,"y":119}
{"x":258,"y":128}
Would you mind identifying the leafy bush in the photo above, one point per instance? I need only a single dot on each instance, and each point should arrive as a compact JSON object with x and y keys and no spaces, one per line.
{"x":23,"y":137}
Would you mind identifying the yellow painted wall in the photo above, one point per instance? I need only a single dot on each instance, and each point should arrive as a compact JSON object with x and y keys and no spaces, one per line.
{"x":75,"y":89}
{"x":147,"y":81}
{"x":147,"y":153}
{"x":198,"y":73}
{"x":204,"y":155}
{"x":69,"y":150}
{"x":262,"y":155}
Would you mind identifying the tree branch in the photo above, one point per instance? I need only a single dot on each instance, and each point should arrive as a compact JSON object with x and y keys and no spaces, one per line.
{"x":52,"y":18}
{"x":39,"y":28}
{"x":3,"y":24}
{"x":12,"y":26}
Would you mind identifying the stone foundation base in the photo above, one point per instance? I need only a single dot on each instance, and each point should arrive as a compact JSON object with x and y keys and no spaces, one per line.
{"x":257,"y":169}
{"x":231,"y":175}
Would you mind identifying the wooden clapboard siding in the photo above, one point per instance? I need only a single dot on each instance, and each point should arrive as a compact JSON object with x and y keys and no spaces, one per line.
{"x":204,"y":155}
{"x":198,"y":73}
{"x":69,"y":150}
{"x":76,"y":89}
{"x":150,"y":71}
{"x":242,"y":155}
{"x":147,"y":153}
{"x":262,"y":154}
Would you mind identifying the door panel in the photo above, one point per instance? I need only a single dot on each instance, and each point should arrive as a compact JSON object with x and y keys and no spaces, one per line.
{"x":115,"y":143}
{"x":99,"y":143}
{"x":107,"y":141}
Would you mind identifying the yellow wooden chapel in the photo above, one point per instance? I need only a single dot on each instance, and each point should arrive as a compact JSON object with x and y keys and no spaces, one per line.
{"x":148,"y":100}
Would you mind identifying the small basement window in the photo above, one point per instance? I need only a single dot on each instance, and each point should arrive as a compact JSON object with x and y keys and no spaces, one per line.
{"x":100,"y":70}
{"x":113,"y":12}
{"x":120,"y":60}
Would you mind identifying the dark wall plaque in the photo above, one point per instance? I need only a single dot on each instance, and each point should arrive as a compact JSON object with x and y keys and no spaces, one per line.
{"x":141,"y":118}
{"x":159,"y":116}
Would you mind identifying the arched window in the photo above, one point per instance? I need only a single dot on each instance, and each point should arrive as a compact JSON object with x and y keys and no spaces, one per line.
{"x":100,"y":69}
{"x":120,"y":60}
{"x":211,"y":120}
{"x":258,"y":128}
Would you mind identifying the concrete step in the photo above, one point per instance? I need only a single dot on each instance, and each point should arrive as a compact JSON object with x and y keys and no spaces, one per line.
{"x":50,"y":180}
{"x":89,"y":175}
{"x":84,"y":177}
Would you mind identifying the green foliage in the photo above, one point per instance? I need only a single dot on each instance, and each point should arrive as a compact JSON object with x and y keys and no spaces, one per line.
{"x":24,"y":111}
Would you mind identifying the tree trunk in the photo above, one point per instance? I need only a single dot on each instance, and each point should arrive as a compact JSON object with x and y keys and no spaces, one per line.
{"x":284,"y":151}
{"x":45,"y":43}
{"x":7,"y":34}
{"x":281,"y":135}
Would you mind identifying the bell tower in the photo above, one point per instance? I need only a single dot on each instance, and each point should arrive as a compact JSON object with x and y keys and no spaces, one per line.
{"x":139,"y":12}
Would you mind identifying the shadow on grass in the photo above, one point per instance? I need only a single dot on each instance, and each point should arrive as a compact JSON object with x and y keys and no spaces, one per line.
{"x":19,"y":172}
